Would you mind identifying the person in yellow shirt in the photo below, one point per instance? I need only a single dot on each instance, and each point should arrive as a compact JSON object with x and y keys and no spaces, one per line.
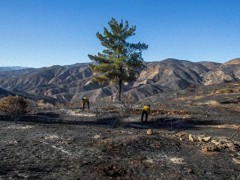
{"x":85,"y":101}
{"x":145,"y":111}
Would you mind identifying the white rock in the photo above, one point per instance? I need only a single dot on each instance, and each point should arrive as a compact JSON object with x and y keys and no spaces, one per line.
{"x":149,"y":161}
{"x":177,"y":160}
{"x":207,"y":138}
{"x":191,"y":138}
{"x":150,"y":131}
{"x":97,"y":136}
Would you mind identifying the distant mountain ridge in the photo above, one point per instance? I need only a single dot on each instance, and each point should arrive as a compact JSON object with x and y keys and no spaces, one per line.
{"x":11,"y":68}
{"x":13,"y":71}
{"x":71,"y":82}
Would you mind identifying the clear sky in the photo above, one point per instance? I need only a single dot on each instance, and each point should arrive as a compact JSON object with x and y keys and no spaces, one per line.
{"x":36,"y":33}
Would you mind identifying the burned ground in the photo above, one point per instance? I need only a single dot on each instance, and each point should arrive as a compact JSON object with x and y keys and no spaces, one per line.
{"x":186,"y":138}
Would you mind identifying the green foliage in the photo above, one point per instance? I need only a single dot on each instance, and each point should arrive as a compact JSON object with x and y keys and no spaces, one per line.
{"x":13,"y":105}
{"x":120,"y":61}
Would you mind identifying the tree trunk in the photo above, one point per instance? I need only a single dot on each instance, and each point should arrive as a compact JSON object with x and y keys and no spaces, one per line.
{"x":120,"y":90}
{"x":120,"y":84}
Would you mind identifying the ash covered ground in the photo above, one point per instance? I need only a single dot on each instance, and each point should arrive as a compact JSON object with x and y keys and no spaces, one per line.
{"x":191,"y":134}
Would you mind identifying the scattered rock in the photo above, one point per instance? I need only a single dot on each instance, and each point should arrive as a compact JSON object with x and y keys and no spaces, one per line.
{"x":191,"y":138}
{"x":236,"y":160}
{"x":209,"y":147}
{"x":13,"y":142}
{"x":203,"y":138}
{"x":215,"y":142}
{"x":149,"y":131}
{"x":51,"y":137}
{"x":97,"y":136}
{"x":177,"y":160}
{"x":207,"y":138}
{"x":182,"y":135}
{"x":190,"y":170}
{"x":150,"y":161}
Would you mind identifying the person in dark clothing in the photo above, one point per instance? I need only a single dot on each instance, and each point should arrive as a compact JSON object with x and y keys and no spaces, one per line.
{"x":145,"y":112}
{"x":85,"y":101}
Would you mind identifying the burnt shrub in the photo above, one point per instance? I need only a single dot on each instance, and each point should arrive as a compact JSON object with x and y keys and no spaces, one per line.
{"x":224,"y":91}
{"x":13,"y":106}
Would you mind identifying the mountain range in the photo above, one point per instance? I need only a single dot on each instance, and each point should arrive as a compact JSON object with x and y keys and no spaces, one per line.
{"x":70,"y":83}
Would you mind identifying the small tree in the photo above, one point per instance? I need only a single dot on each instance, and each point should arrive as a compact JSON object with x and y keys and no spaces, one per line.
{"x":13,"y":105}
{"x":120,"y":61}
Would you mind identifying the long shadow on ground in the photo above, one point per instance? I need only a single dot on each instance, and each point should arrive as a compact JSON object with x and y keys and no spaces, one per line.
{"x":115,"y":121}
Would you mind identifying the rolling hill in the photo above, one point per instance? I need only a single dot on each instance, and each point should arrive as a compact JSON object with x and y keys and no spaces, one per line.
{"x":70,"y":83}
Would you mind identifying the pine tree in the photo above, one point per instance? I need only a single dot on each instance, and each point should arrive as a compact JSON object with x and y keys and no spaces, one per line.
{"x":120,"y":61}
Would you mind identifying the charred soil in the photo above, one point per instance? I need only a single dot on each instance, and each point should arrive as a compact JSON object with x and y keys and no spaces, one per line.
{"x":190,"y":135}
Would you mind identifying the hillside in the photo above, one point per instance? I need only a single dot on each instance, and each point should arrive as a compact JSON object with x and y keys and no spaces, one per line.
{"x":69,"y":83}
{"x":227,"y":72}
{"x":4,"y":93}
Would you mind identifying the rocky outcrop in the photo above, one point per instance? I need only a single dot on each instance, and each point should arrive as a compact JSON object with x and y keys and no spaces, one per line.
{"x":227,"y":72}
{"x":233,"y":61}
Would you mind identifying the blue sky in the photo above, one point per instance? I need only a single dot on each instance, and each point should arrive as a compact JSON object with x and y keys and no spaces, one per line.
{"x":36,"y":33}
